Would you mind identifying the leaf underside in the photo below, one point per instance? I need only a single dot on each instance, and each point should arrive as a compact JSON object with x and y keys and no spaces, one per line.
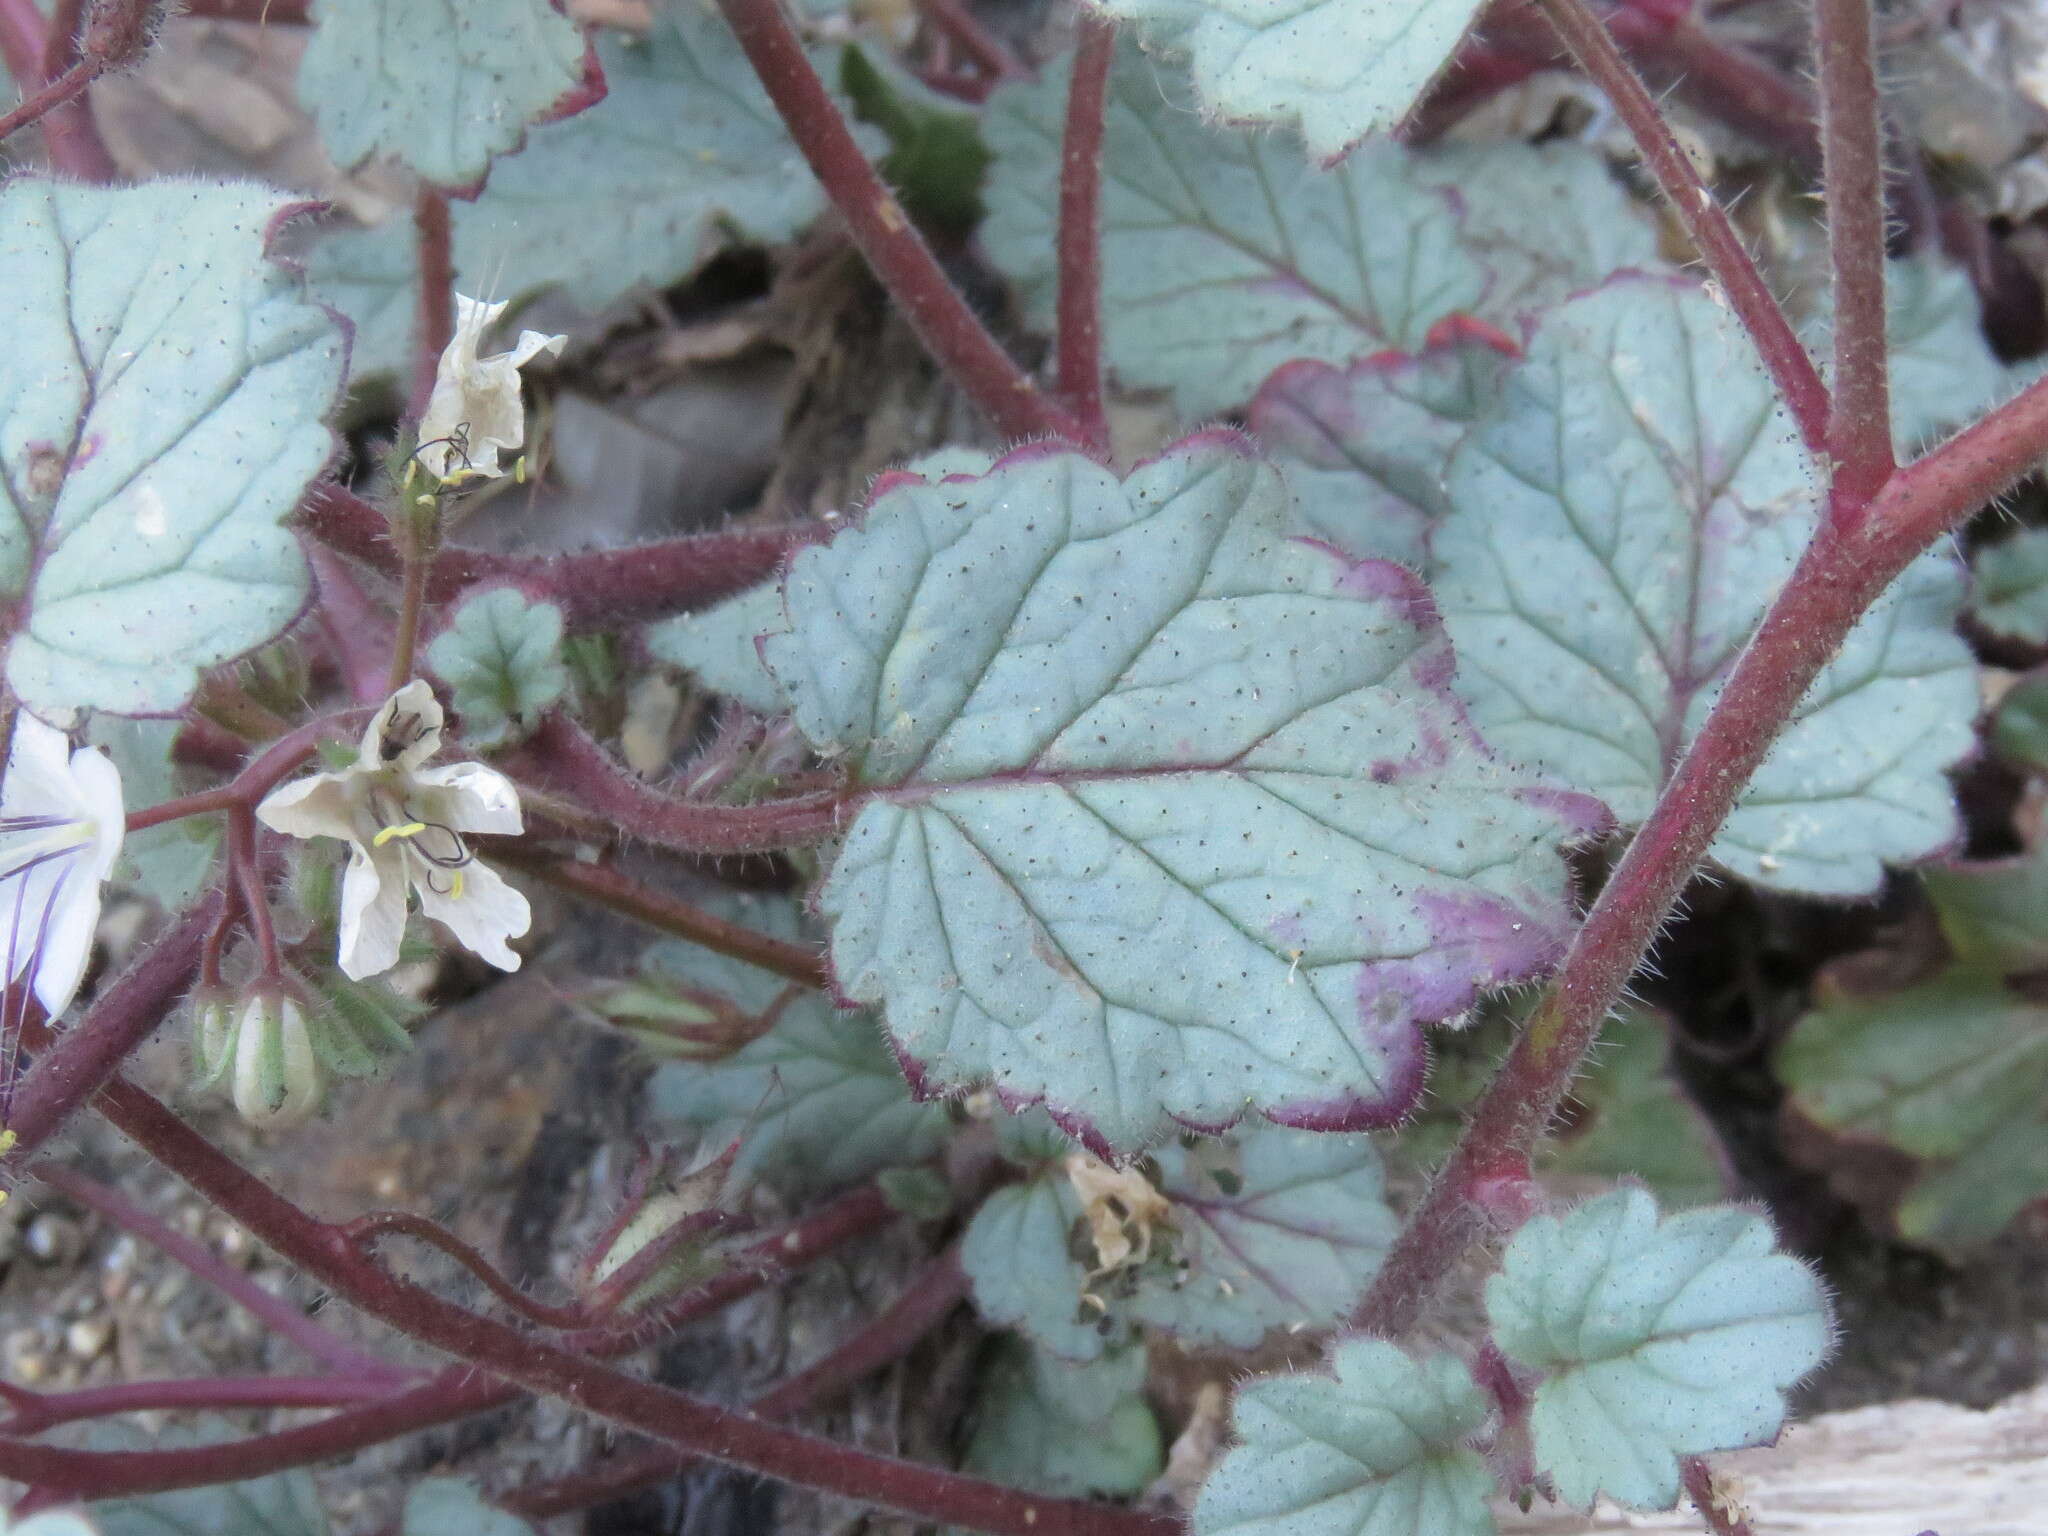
{"x":161,"y":410}
{"x":1621,"y":518}
{"x":1164,"y":814}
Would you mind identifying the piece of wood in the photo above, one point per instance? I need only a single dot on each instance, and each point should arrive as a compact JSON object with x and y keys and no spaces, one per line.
{"x":1899,"y":1469}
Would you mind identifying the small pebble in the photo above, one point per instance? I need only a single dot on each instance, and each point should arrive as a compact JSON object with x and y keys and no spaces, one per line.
{"x":88,"y":1336}
{"x":54,"y":1239}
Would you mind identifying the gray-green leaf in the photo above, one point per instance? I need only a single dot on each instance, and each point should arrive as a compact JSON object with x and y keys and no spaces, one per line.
{"x":1657,"y":1339}
{"x":1060,"y":1427}
{"x":684,"y":153}
{"x":2010,"y":596}
{"x":1620,"y":521}
{"x":1335,"y":69}
{"x":451,"y":1506}
{"x":817,"y":1101}
{"x":501,"y":654}
{"x":438,"y":84}
{"x":161,"y":404}
{"x":1225,"y":255}
{"x":717,"y":646}
{"x":1380,"y":1449}
{"x":1166,"y":814}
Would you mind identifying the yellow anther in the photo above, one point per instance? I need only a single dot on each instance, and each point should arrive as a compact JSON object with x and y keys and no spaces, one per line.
{"x":7,"y":1139}
{"x":455,"y":885}
{"x":519,"y":470}
{"x":403,"y":829}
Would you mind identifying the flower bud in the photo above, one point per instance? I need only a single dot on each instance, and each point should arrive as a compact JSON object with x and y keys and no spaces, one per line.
{"x":664,"y":1237}
{"x":670,"y":1019}
{"x":278,"y":1081}
{"x":213,"y":1015}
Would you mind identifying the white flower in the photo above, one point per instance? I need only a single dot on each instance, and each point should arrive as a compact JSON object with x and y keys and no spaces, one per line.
{"x":61,"y":824}
{"x":475,"y":408}
{"x":404,"y":824}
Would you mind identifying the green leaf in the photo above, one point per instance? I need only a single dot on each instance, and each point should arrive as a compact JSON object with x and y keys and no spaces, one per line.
{"x":1058,"y":1427}
{"x":451,"y":1506}
{"x":1365,"y":446}
{"x":717,"y":646}
{"x":1224,"y":255}
{"x":161,"y":408}
{"x":1019,"y":1261}
{"x":1994,"y":912}
{"x":1953,"y":1071}
{"x":172,"y":863}
{"x":501,"y":654}
{"x":1657,"y":1339}
{"x":2019,"y":728}
{"x":919,"y":1193}
{"x":1336,"y":70}
{"x":1620,"y":520}
{"x":1633,"y":1122}
{"x":1626,"y":1118}
{"x":1164,"y":814}
{"x":437,"y":84}
{"x":936,"y":158}
{"x":684,"y":155}
{"x":1380,"y":1450}
{"x":817,"y":1101}
{"x":372,"y":277}
{"x":1290,"y":1236}
{"x":2010,"y":596}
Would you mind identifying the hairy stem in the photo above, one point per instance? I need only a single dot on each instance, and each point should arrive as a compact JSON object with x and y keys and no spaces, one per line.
{"x":64,"y":89}
{"x":34,"y":1412}
{"x":1719,"y":1510}
{"x":1849,"y":563}
{"x":1798,"y":381}
{"x":604,"y":886}
{"x":950,"y":331}
{"x":952,"y":20}
{"x":72,"y":1068}
{"x":1860,"y":423}
{"x":274,"y":1312}
{"x":692,"y":1424}
{"x":435,"y":322}
{"x":72,"y":142}
{"x":925,"y":1301}
{"x":365,"y":1230}
{"x":597,"y":589}
{"x":1078,"y":339}
{"x":452,"y":1393}
{"x":563,"y":757}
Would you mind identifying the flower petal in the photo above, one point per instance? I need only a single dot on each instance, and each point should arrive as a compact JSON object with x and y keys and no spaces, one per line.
{"x":319,"y":805}
{"x":372,"y":911}
{"x":38,"y":779}
{"x":484,"y":916}
{"x":99,"y":792}
{"x":468,"y":797}
{"x":66,"y":941}
{"x":405,"y":732}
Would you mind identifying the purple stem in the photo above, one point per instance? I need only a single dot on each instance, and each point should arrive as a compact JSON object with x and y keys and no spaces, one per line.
{"x":274,"y":1312}
{"x":567,"y":762}
{"x":1798,"y":381}
{"x":596,"y":589}
{"x":1860,"y":423}
{"x":950,"y":331}
{"x":35,"y":1412}
{"x":1078,"y":340}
